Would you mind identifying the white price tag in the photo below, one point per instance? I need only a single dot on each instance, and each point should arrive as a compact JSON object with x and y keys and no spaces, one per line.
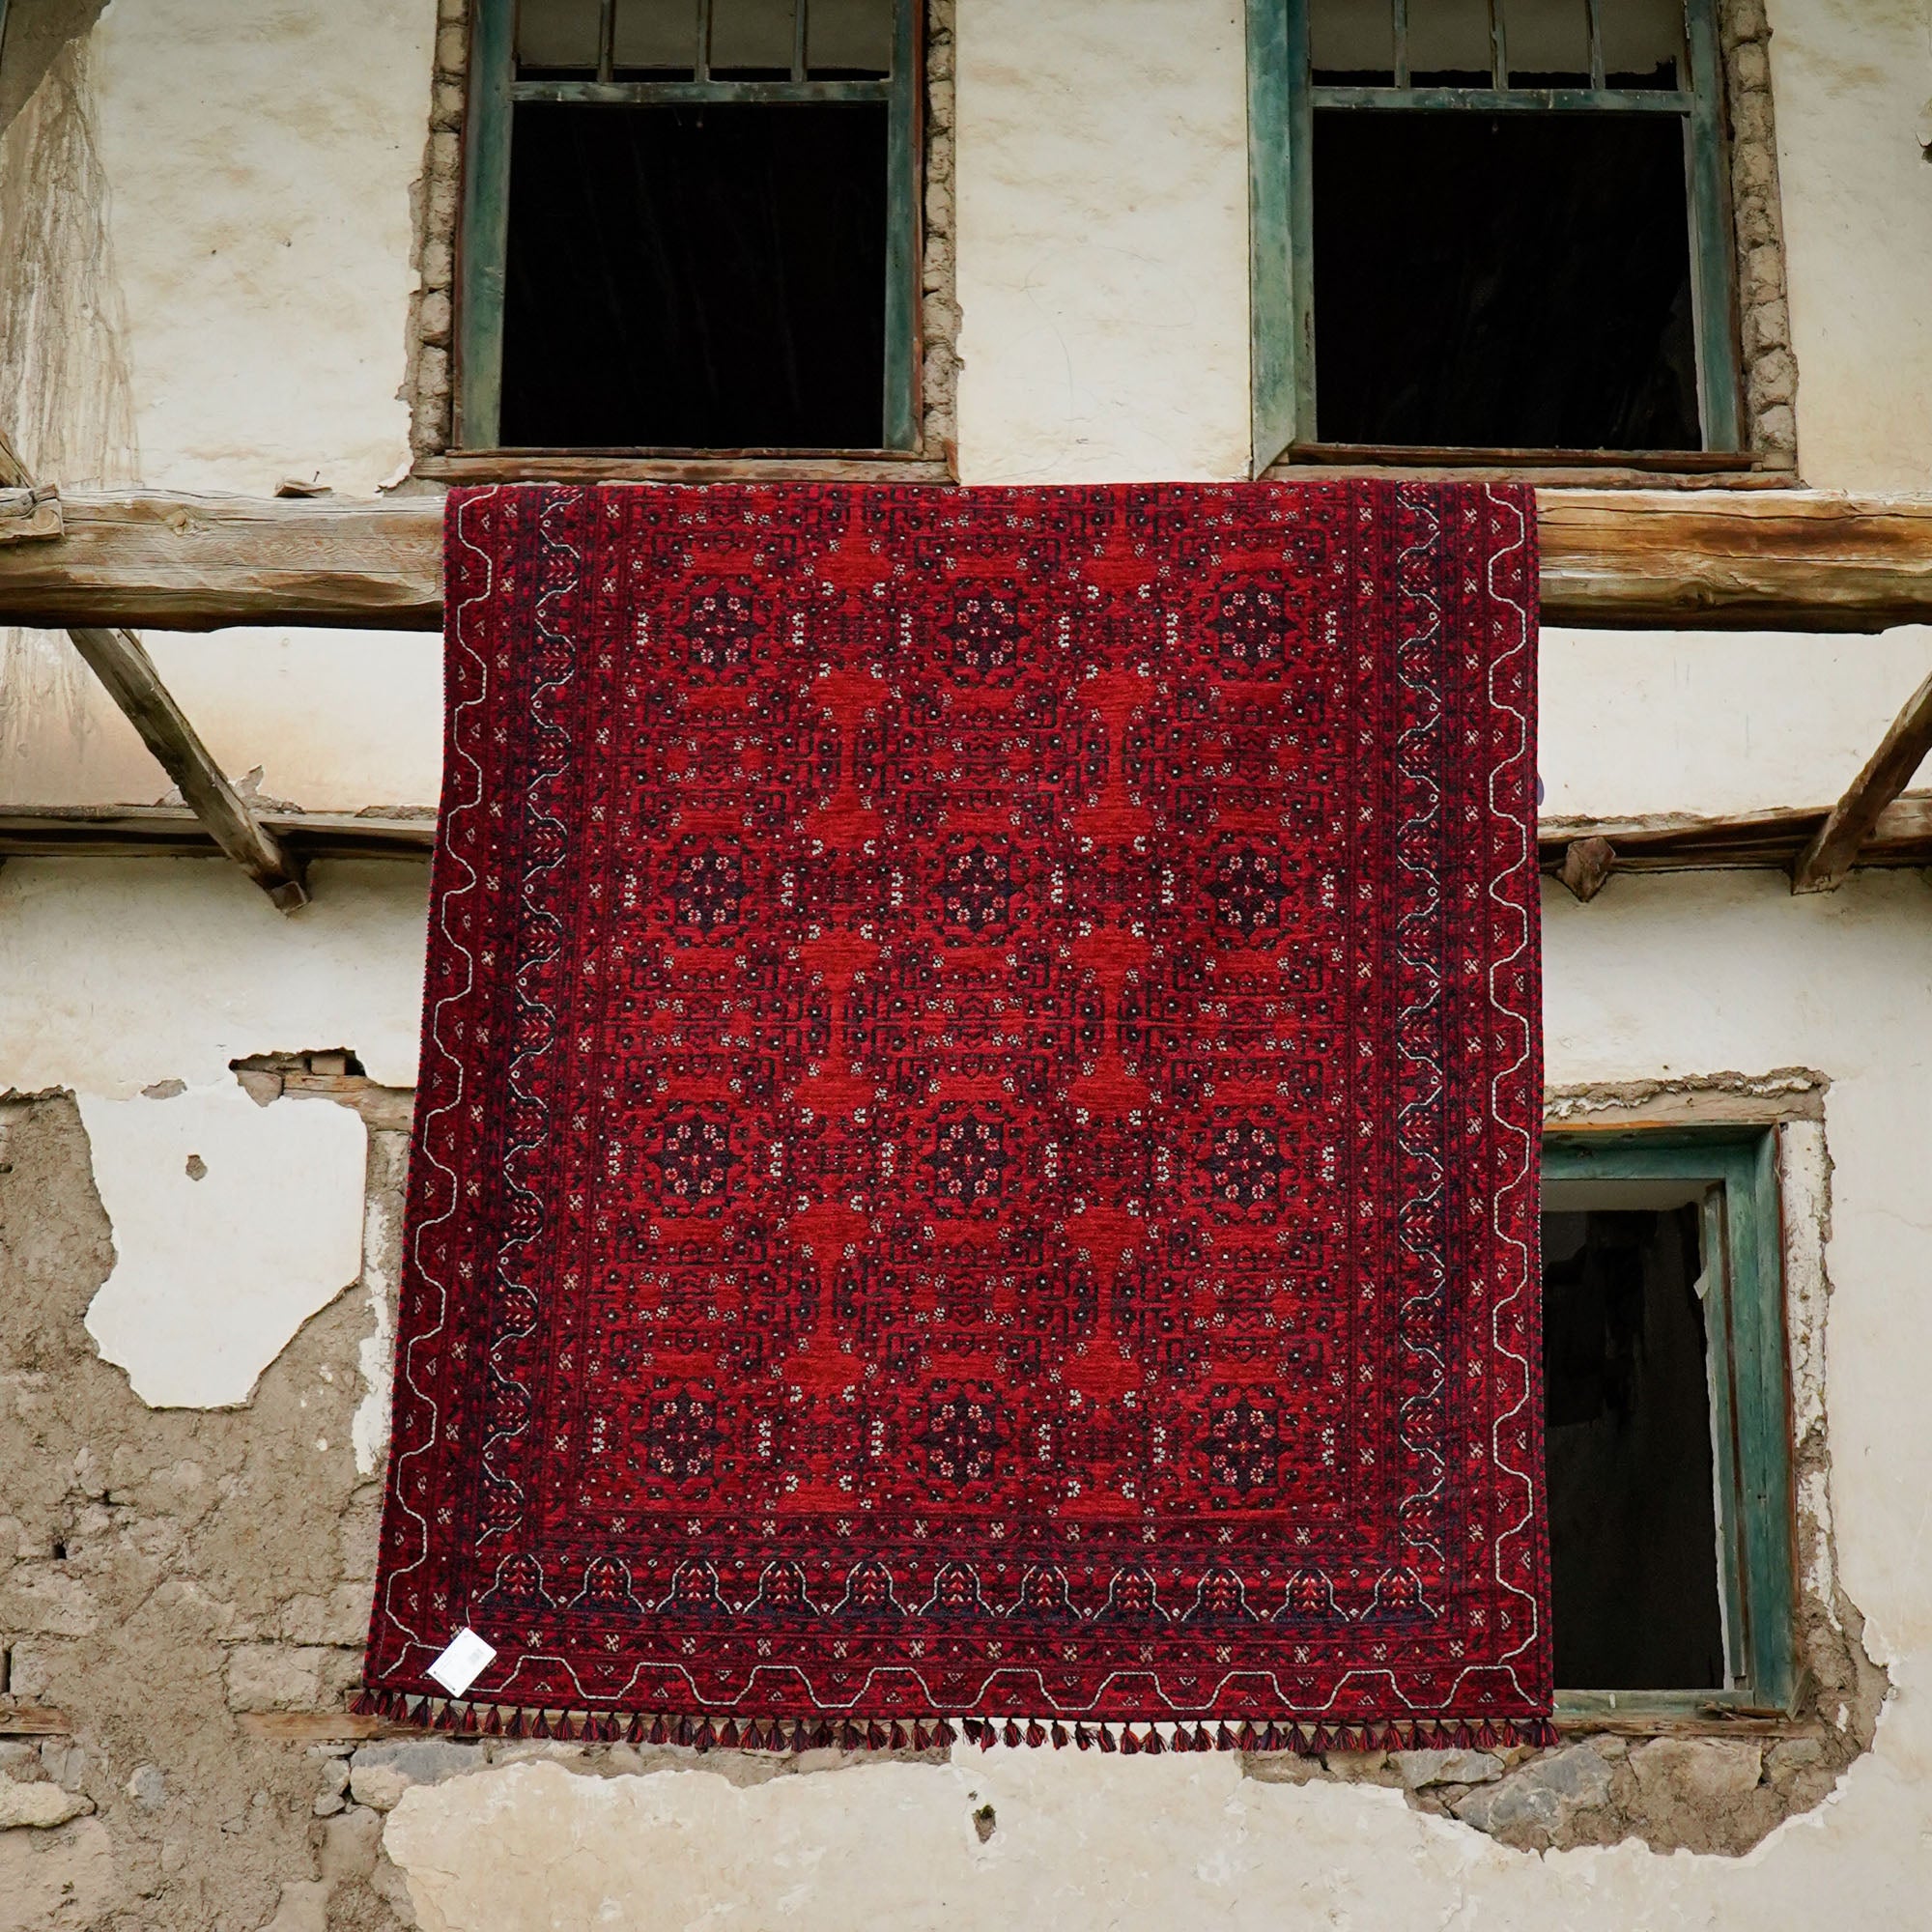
{"x":459,"y":1666}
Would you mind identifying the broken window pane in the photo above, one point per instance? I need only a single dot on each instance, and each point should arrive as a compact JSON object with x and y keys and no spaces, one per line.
{"x":1547,"y":42}
{"x":1635,"y":1582}
{"x":1449,"y":44}
{"x":848,"y":38}
{"x":1352,"y":42}
{"x":1643,"y":42}
{"x":1503,"y":282}
{"x":695,"y":277}
{"x":555,"y":37}
{"x":751,"y":40}
{"x":655,"y":40}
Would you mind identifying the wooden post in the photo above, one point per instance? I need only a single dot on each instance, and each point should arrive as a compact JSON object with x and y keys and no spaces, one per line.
{"x":116,"y":658}
{"x":1834,"y":850}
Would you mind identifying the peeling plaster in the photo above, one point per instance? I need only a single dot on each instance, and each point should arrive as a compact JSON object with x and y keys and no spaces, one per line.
{"x":118,"y":973}
{"x":216,"y":1272}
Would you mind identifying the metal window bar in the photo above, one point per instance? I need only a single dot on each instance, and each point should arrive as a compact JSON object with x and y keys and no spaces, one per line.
{"x":495,"y":87}
{"x":1501,"y":95}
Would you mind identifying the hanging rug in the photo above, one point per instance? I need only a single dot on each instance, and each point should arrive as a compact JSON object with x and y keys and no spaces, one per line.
{"x":976,"y":1159}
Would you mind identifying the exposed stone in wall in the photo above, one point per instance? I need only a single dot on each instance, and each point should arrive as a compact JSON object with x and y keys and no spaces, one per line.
{"x":429,"y":387}
{"x":1768,"y":368}
{"x":437,"y":198}
{"x":161,"y":1575}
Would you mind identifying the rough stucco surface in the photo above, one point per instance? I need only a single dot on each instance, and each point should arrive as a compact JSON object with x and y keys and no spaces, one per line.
{"x":161,"y":1574}
{"x":1851,"y":79}
{"x":1103,"y":211}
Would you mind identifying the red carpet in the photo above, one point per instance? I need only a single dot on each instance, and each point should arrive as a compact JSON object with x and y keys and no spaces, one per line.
{"x":977,"y":1147}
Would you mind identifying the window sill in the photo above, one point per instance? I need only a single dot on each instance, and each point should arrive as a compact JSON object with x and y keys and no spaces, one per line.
{"x":1681,"y":1714}
{"x":682,"y":466}
{"x":1640,"y":468}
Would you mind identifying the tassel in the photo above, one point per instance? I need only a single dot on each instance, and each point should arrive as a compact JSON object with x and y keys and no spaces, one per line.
{"x":1107,"y":1737}
{"x":1035,"y":1735}
{"x":1129,"y":1743}
{"x":1153,"y":1745}
{"x":800,"y":1741}
{"x":1012,"y":1735}
{"x":944,"y":1735}
{"x":1224,"y":1739}
{"x":700,"y":1737}
{"x":988,"y":1736}
{"x":366,"y":1704}
{"x":1058,"y":1736}
{"x":1202,"y":1740}
{"x":1081,"y":1739}
{"x":919,"y":1740}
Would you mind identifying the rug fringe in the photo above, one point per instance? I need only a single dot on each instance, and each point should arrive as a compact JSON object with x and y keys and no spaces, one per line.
{"x":481,"y":1717}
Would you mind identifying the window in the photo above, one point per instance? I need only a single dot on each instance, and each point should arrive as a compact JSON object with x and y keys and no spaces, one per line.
{"x":1667,"y":1435}
{"x":1496,"y":227}
{"x":690,"y":225}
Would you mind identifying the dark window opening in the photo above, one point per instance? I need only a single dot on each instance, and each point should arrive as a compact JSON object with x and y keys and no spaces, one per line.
{"x":705,"y":277}
{"x":1503,"y":282}
{"x":1633,"y":1517}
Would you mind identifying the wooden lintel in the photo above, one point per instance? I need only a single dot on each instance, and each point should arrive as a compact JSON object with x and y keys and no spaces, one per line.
{"x":1834,"y":849}
{"x":1696,"y":841}
{"x":127,"y":671}
{"x":172,"y":831}
{"x":33,"y":1721}
{"x":1711,"y":559}
{"x":1667,"y":843}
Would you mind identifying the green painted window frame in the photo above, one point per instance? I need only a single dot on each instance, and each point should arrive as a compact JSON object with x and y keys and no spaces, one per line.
{"x":1282,"y":100}
{"x":1742,"y":1293}
{"x":484,"y":223}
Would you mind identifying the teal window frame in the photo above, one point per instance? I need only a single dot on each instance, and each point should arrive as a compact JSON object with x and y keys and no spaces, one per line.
{"x":484,"y":224}
{"x":1733,"y":1172}
{"x":1282,"y":100}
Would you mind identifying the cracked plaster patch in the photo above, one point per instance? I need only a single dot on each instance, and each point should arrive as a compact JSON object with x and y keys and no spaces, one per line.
{"x":215,"y":1275}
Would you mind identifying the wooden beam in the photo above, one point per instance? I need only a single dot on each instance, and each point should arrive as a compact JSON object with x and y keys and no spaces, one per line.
{"x":116,"y":658}
{"x":1834,"y":849}
{"x":1667,"y":843}
{"x":172,"y":831}
{"x":1652,"y":559}
{"x":1693,"y":842}
{"x":149,"y":560}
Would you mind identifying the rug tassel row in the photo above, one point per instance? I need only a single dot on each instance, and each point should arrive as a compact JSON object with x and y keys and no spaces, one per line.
{"x":470,"y":1719}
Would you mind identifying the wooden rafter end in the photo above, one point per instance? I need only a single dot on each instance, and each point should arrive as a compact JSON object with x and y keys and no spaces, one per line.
{"x":1836,"y":848}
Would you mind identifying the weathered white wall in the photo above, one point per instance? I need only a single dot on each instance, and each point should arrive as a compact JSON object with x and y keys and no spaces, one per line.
{"x":260,"y":160}
{"x":1850,"y":80}
{"x":1102,"y":184}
